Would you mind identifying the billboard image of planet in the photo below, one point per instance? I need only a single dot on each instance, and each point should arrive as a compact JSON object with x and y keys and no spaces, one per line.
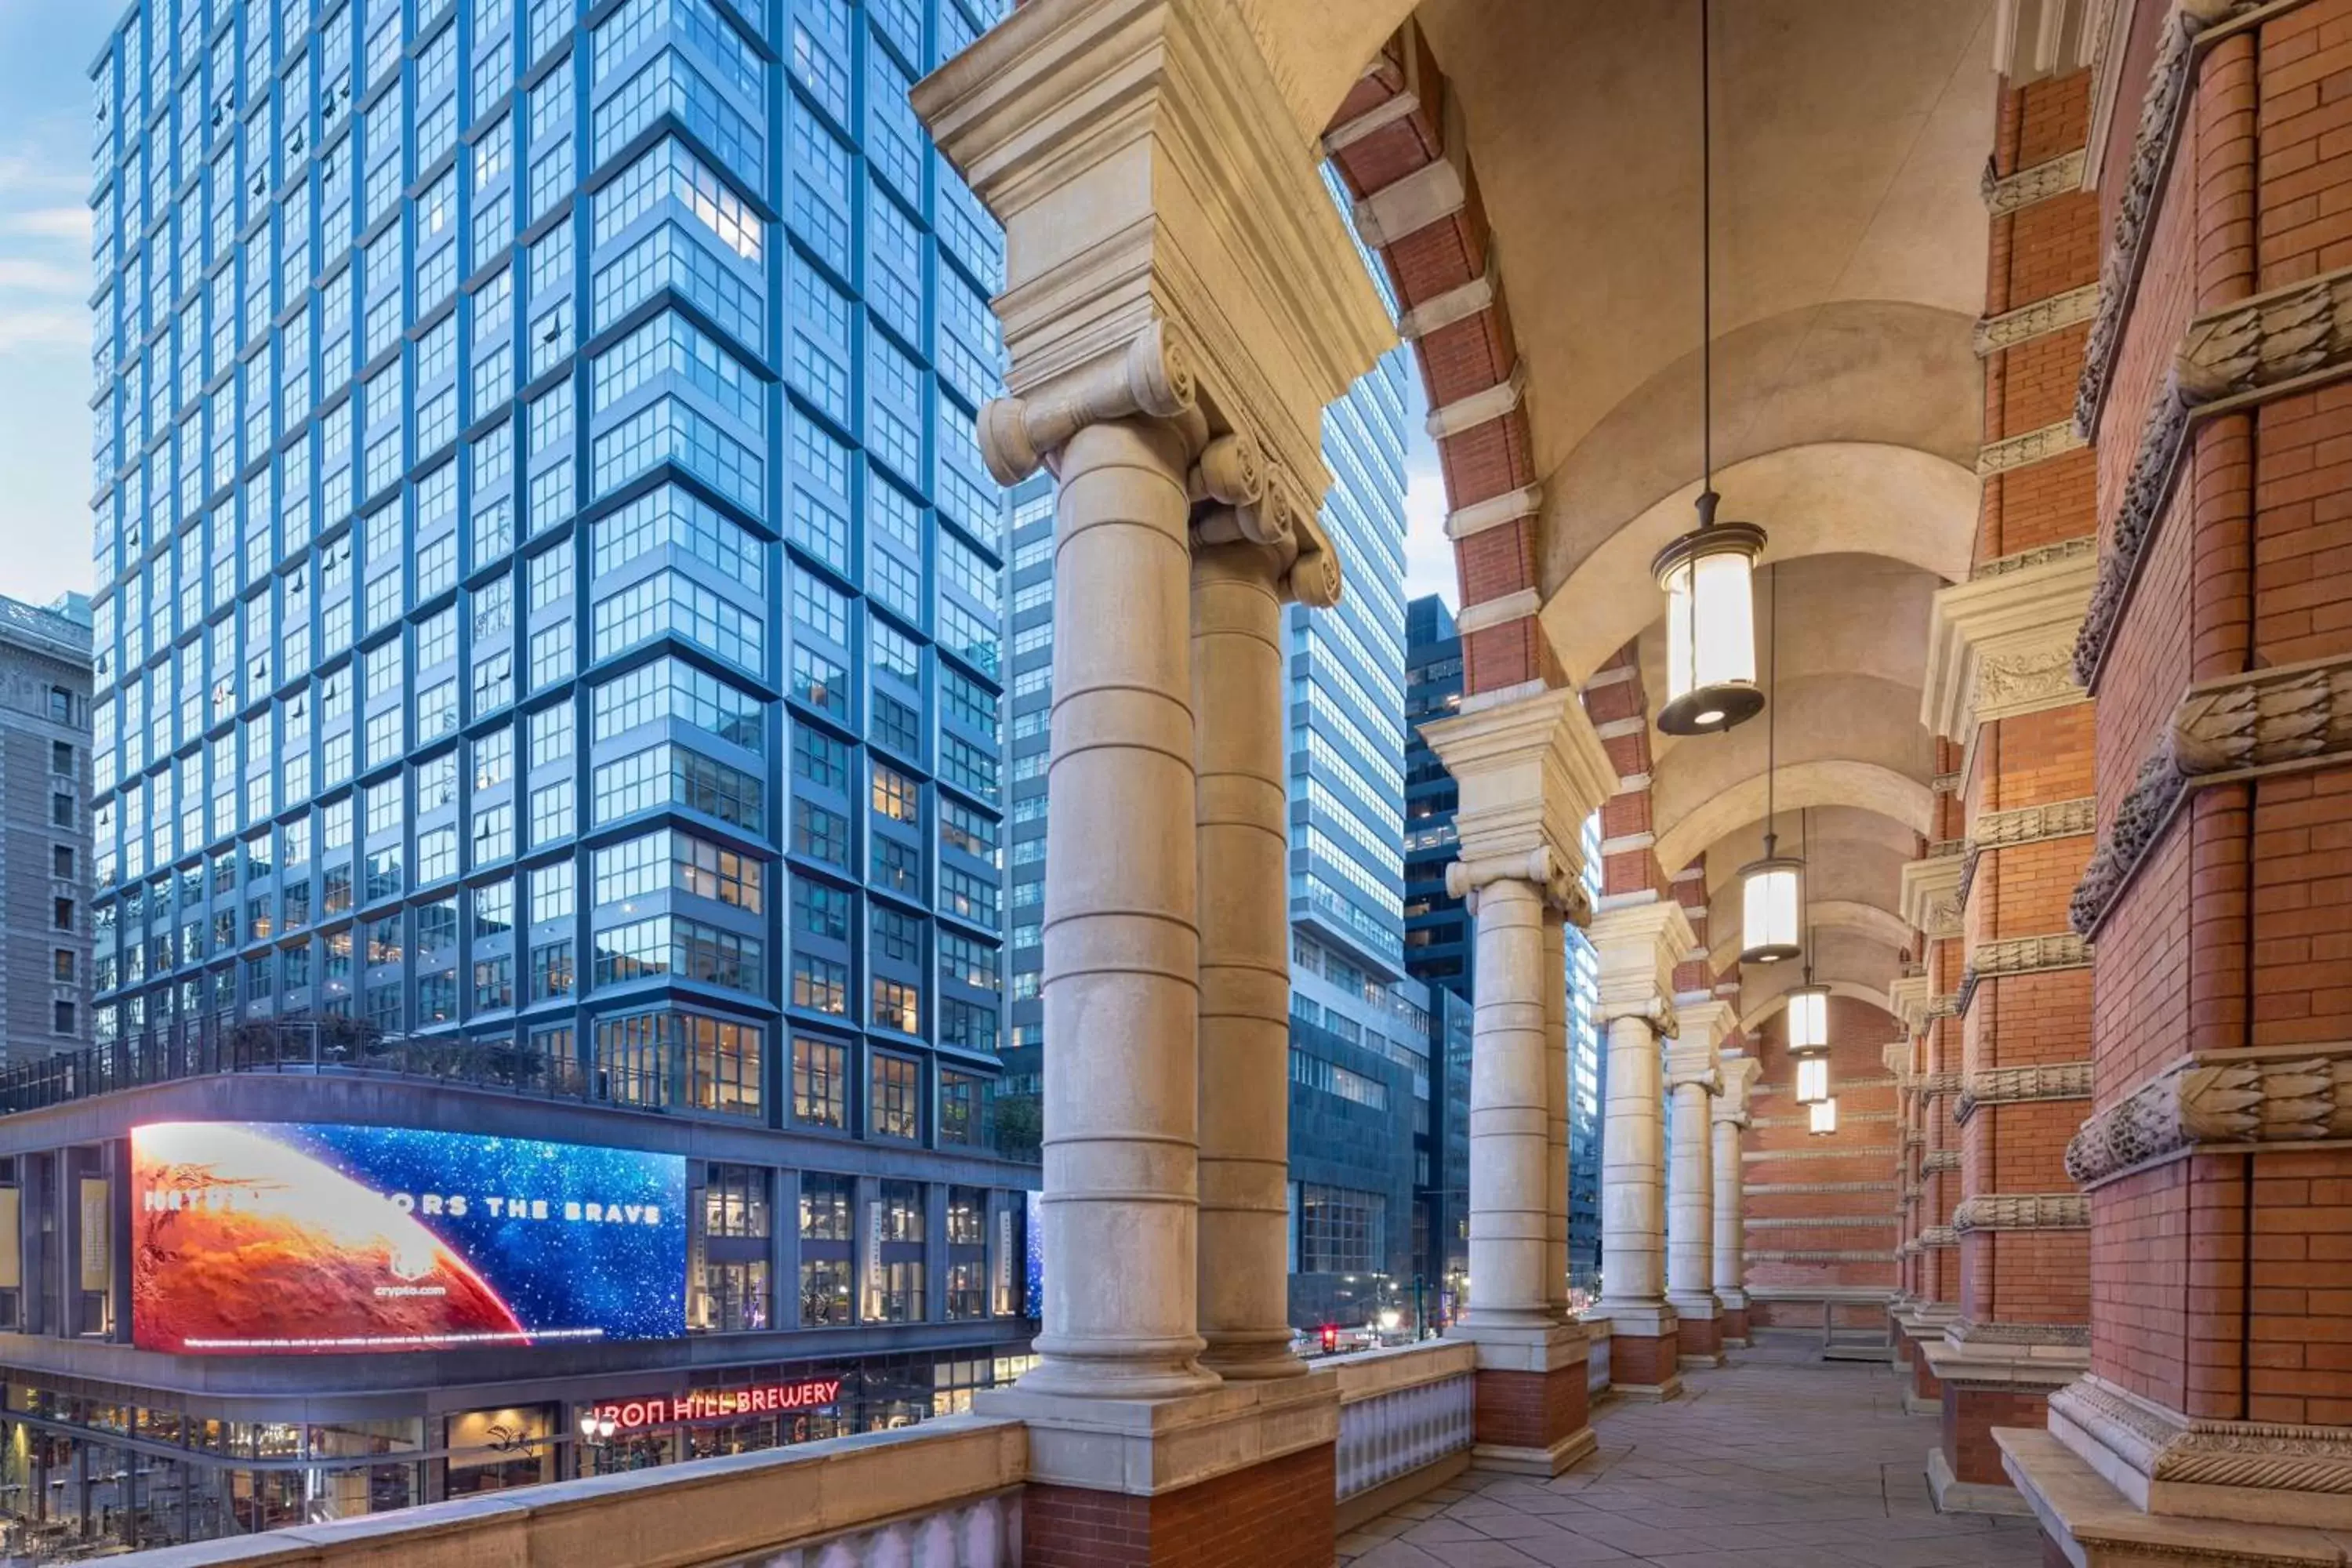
{"x":301,"y":1238}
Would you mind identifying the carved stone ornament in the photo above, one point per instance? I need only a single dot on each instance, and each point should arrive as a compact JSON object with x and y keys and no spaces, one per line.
{"x":1967,"y":1331}
{"x":1938,"y":1235}
{"x":1809,"y":1256}
{"x":1945,"y":1006}
{"x":1934,"y":1085}
{"x":2028,"y":448}
{"x":2270,"y":341}
{"x":2166,"y":1447}
{"x":2232,"y":727}
{"x":2010,"y":1086}
{"x":1558,"y":885}
{"x":1941,"y":1160}
{"x":2010,"y":680}
{"x":2153,"y":142}
{"x":2022,"y":955}
{"x":2037,"y":183}
{"x":2286,"y":1095}
{"x":2023,"y":1211}
{"x":2027,"y":322}
{"x":2025,"y":825}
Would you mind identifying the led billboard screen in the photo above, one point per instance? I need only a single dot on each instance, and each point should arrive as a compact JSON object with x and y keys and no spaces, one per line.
{"x":299,"y":1237}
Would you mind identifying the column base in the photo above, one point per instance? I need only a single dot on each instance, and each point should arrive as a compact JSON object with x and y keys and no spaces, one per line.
{"x":1699,"y":1332}
{"x":1239,"y":1475}
{"x":2086,"y":1523}
{"x":1733,"y":1314}
{"x":1993,"y":1375}
{"x":1532,"y":1410}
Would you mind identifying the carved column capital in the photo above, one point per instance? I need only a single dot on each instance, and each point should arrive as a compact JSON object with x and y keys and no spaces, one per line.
{"x":1527,"y":773}
{"x":2279,"y":1094}
{"x":2004,"y":645}
{"x":1739,"y":1075}
{"x":1638,"y":946}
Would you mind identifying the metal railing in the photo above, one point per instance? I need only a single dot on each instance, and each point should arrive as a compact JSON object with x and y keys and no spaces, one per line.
{"x":1401,"y":1411}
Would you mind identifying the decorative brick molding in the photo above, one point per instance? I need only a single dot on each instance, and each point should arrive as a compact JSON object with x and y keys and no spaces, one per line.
{"x":1774,"y":1156}
{"x":1810,"y":1256}
{"x":2285,"y":341}
{"x":2027,"y":322}
{"x":1941,"y":1160}
{"x":2277,"y":1094}
{"x":2010,"y":1086}
{"x":1824,"y":1222}
{"x":1948,"y":783}
{"x":2023,"y":1211}
{"x":2025,"y":825}
{"x":1938,"y":1235}
{"x":1856,"y":1117}
{"x":2161,"y":116}
{"x":2055,"y":177}
{"x":2027,"y":449}
{"x":2022,"y":955}
{"x":2021,"y":561}
{"x":1967,"y":1331}
{"x":1771,"y":1189}
{"x":2162,"y":1454}
{"x":1932,"y":1085}
{"x":1945,"y":1006}
{"x":2230,"y":728}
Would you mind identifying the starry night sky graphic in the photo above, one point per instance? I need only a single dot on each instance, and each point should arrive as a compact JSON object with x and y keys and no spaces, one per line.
{"x":628,"y":1281}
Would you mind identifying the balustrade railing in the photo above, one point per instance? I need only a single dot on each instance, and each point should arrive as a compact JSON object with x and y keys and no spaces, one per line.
{"x":1402,"y":1413}
{"x":983,"y":1533}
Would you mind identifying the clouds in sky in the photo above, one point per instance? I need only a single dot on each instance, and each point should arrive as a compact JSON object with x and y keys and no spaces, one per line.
{"x":45,"y":47}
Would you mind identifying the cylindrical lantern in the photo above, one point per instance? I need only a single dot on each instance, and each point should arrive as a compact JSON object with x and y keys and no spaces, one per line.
{"x":1769,"y":908}
{"x":1824,"y":1117}
{"x":1812,"y":1080}
{"x":1707,"y":577}
{"x":1808,"y":1018}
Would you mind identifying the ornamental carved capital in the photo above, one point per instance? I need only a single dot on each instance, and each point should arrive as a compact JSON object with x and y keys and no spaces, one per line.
{"x":2163,"y":1448}
{"x":2022,"y":1211}
{"x":2007,"y":1085}
{"x":2283,"y":1095}
{"x":1638,"y":946}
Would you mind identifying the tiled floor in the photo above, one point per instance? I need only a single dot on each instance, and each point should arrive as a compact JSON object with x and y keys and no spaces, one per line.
{"x":1778,"y":1462}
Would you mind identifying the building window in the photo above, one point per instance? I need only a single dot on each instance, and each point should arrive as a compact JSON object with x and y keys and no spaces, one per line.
{"x":820,"y":1082}
{"x":895,"y":1096}
{"x":731,"y":1283}
{"x":959,"y":1107}
{"x":1341,"y":1230}
{"x":827,"y":1228}
{"x":61,"y":915}
{"x":894,"y":1274}
{"x":61,"y":964}
{"x":63,"y":1023}
{"x":897,"y":1005}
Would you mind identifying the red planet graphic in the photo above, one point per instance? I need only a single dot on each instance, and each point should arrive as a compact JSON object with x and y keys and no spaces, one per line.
{"x":246,"y":1243}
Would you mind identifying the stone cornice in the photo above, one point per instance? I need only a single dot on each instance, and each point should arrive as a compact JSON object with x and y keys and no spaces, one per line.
{"x":1773,"y":1156}
{"x":2010,"y":1086}
{"x":2227,"y":729}
{"x":2039,"y":183}
{"x":1810,"y":1256}
{"x":1739,"y":1075}
{"x":2039,"y":555}
{"x":2022,"y":955}
{"x":2027,"y":322}
{"x":1999,"y":645}
{"x":2287,"y":1472}
{"x":1931,"y":901}
{"x":2162,"y":108}
{"x":2027,"y":449}
{"x":2022,"y":1211}
{"x":1204,"y":212}
{"x":1909,"y":994}
{"x":1934,"y":1086}
{"x":1767,"y":1189}
{"x":2288,"y":1095}
{"x":1936,"y":1235}
{"x":1940,"y":1160}
{"x":2268,"y":345}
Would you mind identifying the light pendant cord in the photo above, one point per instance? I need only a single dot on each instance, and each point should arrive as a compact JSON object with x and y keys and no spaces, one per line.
{"x":1772,"y":716}
{"x":1705,"y":270}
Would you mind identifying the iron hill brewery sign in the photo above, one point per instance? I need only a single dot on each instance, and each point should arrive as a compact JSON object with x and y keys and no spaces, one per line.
{"x":719,"y":1404}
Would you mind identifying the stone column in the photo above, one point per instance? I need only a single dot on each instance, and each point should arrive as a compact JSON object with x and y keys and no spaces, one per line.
{"x":1692,"y":1082}
{"x":1528,"y":771}
{"x":1728,"y":1272}
{"x":1555,"y":996}
{"x":1240,"y":733}
{"x":1639,"y":944}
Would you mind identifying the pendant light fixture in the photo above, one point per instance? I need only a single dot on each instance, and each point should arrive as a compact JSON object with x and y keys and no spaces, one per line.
{"x":1771,"y":888}
{"x":1708,"y":574}
{"x":1822,"y":1118}
{"x":1808,"y":1012}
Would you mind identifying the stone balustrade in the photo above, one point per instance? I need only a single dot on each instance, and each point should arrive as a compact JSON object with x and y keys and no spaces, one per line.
{"x":1406,"y":1422}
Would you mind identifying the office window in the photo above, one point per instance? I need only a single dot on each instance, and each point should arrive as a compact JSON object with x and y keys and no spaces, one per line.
{"x":960,"y":1109}
{"x":1341,"y":1230}
{"x":820,"y":984}
{"x":894,"y":1096}
{"x":820,"y":1082}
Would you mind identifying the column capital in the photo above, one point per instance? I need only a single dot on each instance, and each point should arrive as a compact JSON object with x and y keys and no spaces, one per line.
{"x":1739,"y":1075}
{"x":1140,"y":157}
{"x":1931,"y":895}
{"x":1693,"y":1065}
{"x":1710,"y":1018}
{"x":1910,"y":994}
{"x":1638,"y":946}
{"x":1529,"y":773}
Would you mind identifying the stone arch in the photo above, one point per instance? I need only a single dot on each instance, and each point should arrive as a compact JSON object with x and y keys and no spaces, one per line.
{"x":1828,"y":781}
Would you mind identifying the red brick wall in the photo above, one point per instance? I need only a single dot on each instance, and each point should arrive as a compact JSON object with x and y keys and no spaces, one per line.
{"x":1860,"y":1151}
{"x":1969,"y":1416}
{"x":1276,"y":1515}
{"x":1533,"y":1409}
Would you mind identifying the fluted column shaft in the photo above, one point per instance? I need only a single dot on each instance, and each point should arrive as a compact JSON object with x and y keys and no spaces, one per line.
{"x":1244,"y":914}
{"x":1632,"y":1188}
{"x":1510,"y":1112}
{"x":1730,"y":1264}
{"x":1121,"y":948}
{"x":1690,"y":1200}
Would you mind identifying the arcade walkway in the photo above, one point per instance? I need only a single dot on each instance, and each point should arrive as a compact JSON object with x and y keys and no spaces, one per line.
{"x":1777,"y":1462}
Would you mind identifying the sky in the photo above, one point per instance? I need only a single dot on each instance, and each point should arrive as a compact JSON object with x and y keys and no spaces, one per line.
{"x":45,"y":48}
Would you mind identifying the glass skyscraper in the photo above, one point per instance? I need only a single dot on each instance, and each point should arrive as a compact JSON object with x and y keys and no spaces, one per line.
{"x":548,"y":596}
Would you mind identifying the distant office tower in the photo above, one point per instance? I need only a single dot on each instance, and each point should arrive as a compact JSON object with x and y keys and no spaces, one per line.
{"x":547,"y":677}
{"x":44,"y":828}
